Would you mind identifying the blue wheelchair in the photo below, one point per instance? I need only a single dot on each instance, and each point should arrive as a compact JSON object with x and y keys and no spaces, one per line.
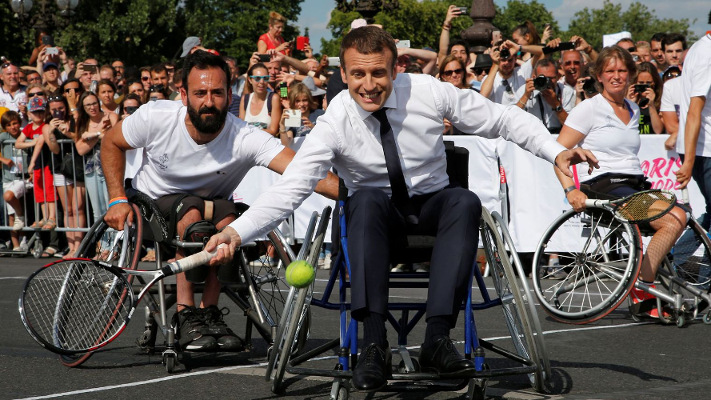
{"x":527,"y":354}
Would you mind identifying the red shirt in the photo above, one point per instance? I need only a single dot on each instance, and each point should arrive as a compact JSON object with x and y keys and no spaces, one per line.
{"x":271,"y":44}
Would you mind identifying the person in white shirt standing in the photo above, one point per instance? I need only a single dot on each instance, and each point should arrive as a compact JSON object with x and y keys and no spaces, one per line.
{"x":193,"y":153}
{"x":694,"y":138}
{"x":393,"y":194}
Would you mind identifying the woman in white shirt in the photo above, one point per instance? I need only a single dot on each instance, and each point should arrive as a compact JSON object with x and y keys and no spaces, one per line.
{"x":608,"y":125}
{"x":255,"y":107}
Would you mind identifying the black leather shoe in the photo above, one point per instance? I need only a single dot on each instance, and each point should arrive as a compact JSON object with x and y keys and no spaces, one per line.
{"x":443,"y":358}
{"x":373,"y":368}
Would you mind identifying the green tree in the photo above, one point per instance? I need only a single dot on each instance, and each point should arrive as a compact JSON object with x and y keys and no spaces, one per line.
{"x":420,"y":22}
{"x":638,"y":20}
{"x":517,"y":12}
{"x":234,"y":26}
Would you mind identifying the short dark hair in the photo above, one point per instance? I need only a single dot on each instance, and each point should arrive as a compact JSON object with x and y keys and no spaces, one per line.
{"x":203,"y":60}
{"x":658,"y":37}
{"x":158,"y":68}
{"x":80,"y":90}
{"x":673,"y":38}
{"x":458,"y":43}
{"x":545,"y":62}
{"x":368,"y":40}
{"x":8,"y":117}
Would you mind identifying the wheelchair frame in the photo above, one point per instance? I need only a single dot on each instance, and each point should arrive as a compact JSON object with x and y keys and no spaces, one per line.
{"x":522,"y":321}
{"x":571,"y":299}
{"x":246,"y":293}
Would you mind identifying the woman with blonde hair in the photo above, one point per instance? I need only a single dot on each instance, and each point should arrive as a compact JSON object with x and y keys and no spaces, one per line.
{"x":300,"y":99}
{"x":273,"y":39}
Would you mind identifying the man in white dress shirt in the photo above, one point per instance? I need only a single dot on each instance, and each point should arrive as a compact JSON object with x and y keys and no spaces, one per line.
{"x":351,"y":137}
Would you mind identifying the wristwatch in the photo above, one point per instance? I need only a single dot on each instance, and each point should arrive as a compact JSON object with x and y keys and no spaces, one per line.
{"x":558,"y":109}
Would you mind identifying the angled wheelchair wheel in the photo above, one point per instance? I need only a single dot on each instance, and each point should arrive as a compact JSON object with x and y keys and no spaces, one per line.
{"x":601,"y":257}
{"x":516,"y":312}
{"x":294,"y":326}
{"x":691,"y":259}
{"x":527,"y":295}
{"x":124,"y":252}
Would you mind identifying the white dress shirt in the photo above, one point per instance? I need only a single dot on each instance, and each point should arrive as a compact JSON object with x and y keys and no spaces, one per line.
{"x":348,"y":138}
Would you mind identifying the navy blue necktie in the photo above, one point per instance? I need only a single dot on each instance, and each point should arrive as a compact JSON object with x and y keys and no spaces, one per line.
{"x":392,"y":161}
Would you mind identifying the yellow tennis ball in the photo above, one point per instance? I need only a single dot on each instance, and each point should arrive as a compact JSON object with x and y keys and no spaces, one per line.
{"x":300,"y":274}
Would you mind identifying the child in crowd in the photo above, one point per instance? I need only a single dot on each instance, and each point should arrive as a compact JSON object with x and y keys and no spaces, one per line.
{"x":14,"y":163}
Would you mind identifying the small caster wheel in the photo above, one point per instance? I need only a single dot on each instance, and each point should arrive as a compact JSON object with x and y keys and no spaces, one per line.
{"x":37,"y":249}
{"x":477,"y":389}
{"x":680,"y":320}
{"x":342,"y":394}
{"x":707,"y":318}
{"x":170,"y":360}
{"x":402,"y":370}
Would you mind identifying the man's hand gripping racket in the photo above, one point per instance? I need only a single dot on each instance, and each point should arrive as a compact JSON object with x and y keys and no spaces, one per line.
{"x":80,"y":305}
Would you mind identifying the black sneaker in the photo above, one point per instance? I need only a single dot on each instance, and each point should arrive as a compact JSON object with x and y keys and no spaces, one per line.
{"x":190,"y":331}
{"x":216,"y":327}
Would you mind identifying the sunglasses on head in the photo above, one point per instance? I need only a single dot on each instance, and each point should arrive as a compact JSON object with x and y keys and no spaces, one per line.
{"x":5,"y":65}
{"x":55,"y":98}
{"x":452,"y":71}
{"x":259,"y":78}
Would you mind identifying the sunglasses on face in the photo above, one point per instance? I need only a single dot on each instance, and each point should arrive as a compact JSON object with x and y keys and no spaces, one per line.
{"x":145,"y":78}
{"x":130,"y":109}
{"x":154,"y":98}
{"x":67,"y":90}
{"x":259,"y":78}
{"x":34,"y":94}
{"x":457,"y":71}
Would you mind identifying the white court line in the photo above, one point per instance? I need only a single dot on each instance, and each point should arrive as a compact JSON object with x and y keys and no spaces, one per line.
{"x":225,"y":369}
{"x":14,"y":277}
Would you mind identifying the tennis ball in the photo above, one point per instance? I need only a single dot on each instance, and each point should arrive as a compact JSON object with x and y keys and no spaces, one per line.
{"x":300,"y":274}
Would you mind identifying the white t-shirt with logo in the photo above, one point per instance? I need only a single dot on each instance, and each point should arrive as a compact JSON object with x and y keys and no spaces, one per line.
{"x":695,"y":82}
{"x":614,"y":143}
{"x":173,"y":163}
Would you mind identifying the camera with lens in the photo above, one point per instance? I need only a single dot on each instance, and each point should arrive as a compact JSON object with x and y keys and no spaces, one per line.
{"x":505,"y":54}
{"x":542,"y":82}
{"x":589,"y":86}
{"x":641,"y":88}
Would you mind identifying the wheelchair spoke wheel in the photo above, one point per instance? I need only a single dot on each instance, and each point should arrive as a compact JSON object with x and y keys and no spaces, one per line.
{"x":598,"y":273}
{"x":516,"y":313}
{"x":527,"y":294}
{"x":124,"y":251}
{"x":691,"y":256}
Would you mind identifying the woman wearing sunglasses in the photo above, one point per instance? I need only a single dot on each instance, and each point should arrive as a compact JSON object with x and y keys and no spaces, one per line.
{"x":71,"y":89}
{"x":68,"y":169}
{"x":453,"y":72}
{"x":260,"y":108}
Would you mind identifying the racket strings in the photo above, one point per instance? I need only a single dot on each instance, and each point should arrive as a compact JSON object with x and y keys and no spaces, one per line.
{"x":76,"y":305}
{"x":646,"y":206}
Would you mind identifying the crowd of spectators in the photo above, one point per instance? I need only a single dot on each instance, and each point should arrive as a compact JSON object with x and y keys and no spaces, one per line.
{"x":57,"y":109}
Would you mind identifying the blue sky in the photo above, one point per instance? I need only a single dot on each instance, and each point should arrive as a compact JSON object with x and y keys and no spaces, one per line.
{"x":315,"y":13}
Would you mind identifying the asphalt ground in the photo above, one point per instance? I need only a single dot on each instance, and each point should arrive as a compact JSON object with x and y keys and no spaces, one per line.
{"x":614,"y":358}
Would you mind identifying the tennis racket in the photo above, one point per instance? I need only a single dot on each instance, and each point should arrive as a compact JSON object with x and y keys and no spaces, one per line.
{"x":640,"y":207}
{"x":80,"y":305}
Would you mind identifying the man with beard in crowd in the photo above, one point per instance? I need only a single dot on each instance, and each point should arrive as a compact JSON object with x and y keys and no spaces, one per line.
{"x":204,"y":152}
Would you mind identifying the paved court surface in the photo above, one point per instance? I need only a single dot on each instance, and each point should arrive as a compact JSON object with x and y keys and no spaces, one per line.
{"x":614,"y":358}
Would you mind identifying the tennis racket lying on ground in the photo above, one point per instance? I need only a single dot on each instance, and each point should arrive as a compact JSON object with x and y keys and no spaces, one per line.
{"x":640,"y":207}
{"x":80,"y":305}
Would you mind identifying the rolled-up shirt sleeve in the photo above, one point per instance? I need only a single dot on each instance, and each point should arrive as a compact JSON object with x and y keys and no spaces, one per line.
{"x":474,"y":114}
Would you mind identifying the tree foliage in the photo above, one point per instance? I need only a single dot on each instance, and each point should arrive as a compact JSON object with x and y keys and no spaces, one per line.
{"x":638,"y":20}
{"x":517,"y":12}
{"x":420,"y":22}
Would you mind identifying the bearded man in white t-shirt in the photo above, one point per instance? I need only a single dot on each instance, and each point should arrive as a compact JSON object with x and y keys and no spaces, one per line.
{"x":192,"y":152}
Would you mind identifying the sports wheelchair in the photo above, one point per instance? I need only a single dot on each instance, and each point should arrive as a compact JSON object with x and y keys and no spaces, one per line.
{"x":601,"y":255}
{"x":257,"y":288}
{"x":527,"y":354}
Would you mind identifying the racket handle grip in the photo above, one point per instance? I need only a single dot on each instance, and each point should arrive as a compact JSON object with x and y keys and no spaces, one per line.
{"x":191,"y":262}
{"x":685,"y":195}
{"x":596,"y":202}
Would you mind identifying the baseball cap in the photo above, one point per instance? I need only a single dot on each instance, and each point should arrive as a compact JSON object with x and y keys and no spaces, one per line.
{"x":189,"y":43}
{"x":48,"y":66}
{"x":315,"y":90}
{"x":37,"y":103}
